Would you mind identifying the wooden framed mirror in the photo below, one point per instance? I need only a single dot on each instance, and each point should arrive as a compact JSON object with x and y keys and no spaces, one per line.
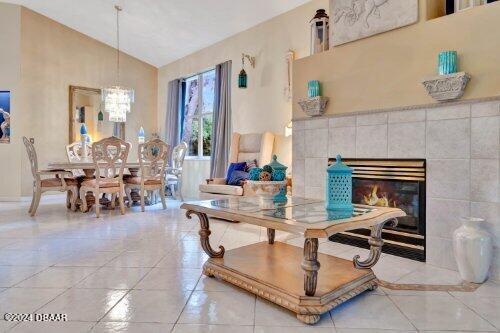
{"x":84,"y":107}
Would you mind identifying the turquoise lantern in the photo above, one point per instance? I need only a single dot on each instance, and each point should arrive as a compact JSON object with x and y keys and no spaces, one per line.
{"x":339,"y":190}
{"x":279,"y":170}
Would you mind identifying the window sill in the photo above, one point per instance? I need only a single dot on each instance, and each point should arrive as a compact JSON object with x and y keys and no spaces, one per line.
{"x":197,"y":158}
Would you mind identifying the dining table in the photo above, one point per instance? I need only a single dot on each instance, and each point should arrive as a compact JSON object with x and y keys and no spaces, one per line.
{"x":88,"y":168}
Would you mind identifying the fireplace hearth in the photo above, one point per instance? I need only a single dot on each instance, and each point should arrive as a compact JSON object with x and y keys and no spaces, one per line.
{"x":391,"y":183}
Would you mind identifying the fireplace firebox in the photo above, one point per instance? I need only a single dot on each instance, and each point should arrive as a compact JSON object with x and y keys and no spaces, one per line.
{"x":391,"y":183}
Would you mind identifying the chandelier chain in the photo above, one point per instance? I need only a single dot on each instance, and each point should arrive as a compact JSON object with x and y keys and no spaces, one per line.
{"x":118,"y":10}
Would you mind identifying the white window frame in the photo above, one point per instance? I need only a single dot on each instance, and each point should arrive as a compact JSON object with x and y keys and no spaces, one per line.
{"x":468,"y":4}
{"x":199,"y":115}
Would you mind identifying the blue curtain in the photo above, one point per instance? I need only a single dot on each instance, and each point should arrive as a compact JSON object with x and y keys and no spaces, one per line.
{"x":221,"y":130}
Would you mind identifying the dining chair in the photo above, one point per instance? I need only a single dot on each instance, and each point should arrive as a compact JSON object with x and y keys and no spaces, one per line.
{"x":108,"y":156}
{"x":74,"y":151}
{"x":152,"y":161}
{"x":58,"y":180}
{"x":174,"y":173}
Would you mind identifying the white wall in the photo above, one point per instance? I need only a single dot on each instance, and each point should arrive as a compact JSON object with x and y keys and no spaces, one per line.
{"x":194,"y":173}
{"x":262,"y":106}
{"x":10,"y":76}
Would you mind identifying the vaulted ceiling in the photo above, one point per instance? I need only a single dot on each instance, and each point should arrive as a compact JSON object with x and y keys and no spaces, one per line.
{"x":161,"y":31}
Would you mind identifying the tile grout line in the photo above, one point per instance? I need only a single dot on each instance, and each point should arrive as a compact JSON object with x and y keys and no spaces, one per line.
{"x":186,"y":303}
{"x":472,"y":309}
{"x":401,"y":311}
{"x":132,"y":288}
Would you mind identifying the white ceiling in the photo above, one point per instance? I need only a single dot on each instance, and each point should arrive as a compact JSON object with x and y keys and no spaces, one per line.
{"x":161,"y":31}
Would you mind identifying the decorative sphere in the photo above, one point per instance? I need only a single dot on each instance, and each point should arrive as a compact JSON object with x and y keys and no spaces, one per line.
{"x":265,"y":176}
{"x":278,"y":175}
{"x":267,"y":168}
{"x":254,"y":173}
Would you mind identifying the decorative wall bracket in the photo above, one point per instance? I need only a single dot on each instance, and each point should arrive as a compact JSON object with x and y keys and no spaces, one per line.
{"x":314,"y":106}
{"x":249,"y":58}
{"x":447,"y":87}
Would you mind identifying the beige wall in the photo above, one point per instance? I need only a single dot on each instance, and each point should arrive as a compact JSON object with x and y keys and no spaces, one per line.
{"x":385,"y":70}
{"x":53,"y":57}
{"x":10,"y":76}
{"x":262,"y":106}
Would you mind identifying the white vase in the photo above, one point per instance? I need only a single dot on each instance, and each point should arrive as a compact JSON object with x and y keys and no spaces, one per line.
{"x":473,"y":249}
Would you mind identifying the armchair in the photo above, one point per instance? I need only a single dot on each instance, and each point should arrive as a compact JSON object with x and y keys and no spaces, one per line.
{"x":244,"y":147}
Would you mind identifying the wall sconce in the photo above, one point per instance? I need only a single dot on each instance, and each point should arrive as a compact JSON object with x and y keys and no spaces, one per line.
{"x":100,"y":120}
{"x":242,"y":77}
{"x":288,"y":129}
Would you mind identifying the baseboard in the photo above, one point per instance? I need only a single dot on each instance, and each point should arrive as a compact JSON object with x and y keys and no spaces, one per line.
{"x":11,"y":199}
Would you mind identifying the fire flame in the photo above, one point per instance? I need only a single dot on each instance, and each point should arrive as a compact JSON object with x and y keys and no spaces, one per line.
{"x":373,"y":199}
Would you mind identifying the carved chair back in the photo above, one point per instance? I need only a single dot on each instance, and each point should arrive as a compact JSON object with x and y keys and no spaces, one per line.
{"x":153,"y":159}
{"x":74,"y":151}
{"x":106,"y":154}
{"x":178,"y":154}
{"x":30,"y":149}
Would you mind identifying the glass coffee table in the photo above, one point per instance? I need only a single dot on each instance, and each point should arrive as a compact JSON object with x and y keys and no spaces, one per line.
{"x":285,"y":274}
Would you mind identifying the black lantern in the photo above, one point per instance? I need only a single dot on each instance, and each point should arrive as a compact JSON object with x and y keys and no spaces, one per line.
{"x":319,"y":32}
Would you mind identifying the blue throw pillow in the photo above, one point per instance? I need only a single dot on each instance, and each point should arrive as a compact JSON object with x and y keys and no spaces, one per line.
{"x":235,"y":167}
{"x":238,"y":177}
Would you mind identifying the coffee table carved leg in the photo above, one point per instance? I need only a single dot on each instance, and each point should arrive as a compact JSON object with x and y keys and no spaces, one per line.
{"x":204,"y":235}
{"x":310,"y":265}
{"x":376,"y":243}
{"x":270,"y":235}
{"x":308,"y":318}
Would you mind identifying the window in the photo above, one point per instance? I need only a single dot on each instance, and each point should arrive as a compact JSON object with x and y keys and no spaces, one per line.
{"x":197,"y":113}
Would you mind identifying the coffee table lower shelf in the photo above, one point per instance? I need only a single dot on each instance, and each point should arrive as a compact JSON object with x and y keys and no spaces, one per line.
{"x":273,"y":272}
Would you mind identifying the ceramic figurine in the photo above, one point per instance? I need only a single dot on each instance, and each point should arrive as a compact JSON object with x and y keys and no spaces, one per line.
{"x":5,"y":126}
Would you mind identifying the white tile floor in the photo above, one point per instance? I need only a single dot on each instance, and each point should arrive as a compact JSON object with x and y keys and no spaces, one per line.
{"x":142,"y":273}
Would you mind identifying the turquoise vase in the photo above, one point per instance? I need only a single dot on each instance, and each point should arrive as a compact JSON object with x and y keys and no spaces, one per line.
{"x":447,"y":62}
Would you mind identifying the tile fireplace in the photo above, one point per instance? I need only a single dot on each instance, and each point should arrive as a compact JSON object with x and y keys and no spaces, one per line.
{"x":459,"y":143}
{"x":391,"y":183}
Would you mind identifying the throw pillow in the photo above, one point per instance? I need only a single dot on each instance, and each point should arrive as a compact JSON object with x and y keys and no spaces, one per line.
{"x":237,"y":178}
{"x":250,"y":165}
{"x":235,"y":167}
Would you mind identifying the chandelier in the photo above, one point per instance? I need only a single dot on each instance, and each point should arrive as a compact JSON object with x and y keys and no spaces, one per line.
{"x":117,"y":100}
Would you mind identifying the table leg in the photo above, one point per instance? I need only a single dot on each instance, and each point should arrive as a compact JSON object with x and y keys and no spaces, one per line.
{"x":134,"y":193}
{"x":270,"y":235}
{"x":310,"y":265}
{"x":376,"y":243}
{"x":204,"y":235}
{"x":89,"y":197}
